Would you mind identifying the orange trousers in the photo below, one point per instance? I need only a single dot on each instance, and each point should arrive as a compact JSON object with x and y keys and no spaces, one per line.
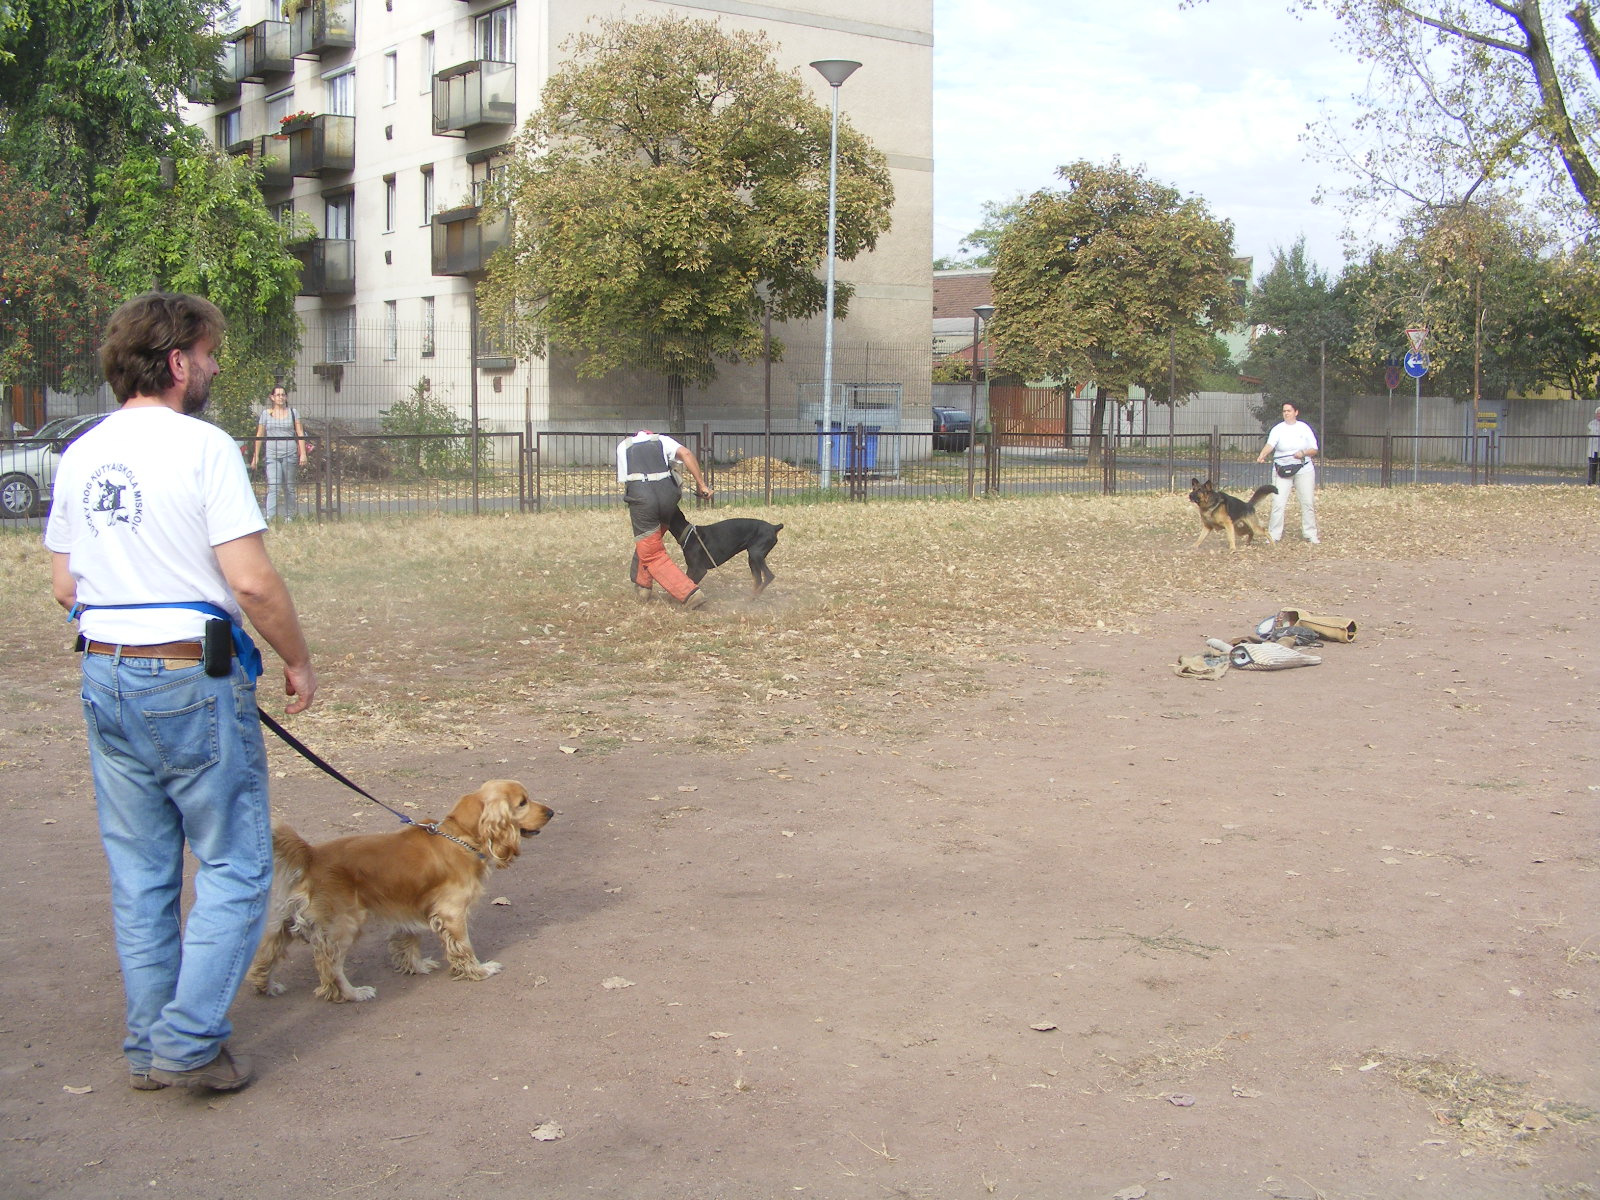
{"x":654,"y":565}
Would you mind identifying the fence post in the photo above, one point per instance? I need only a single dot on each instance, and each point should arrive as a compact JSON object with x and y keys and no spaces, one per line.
{"x":1386,"y":471}
{"x":708,"y":451}
{"x":1214,"y":455}
{"x":522,"y":472}
{"x":537,"y":451}
{"x":1108,"y":456}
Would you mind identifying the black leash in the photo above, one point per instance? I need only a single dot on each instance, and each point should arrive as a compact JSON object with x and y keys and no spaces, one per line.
{"x":316,"y":760}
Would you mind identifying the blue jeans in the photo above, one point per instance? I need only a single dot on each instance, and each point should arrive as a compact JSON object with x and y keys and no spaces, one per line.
{"x":282,"y":475}
{"x":177,"y":756}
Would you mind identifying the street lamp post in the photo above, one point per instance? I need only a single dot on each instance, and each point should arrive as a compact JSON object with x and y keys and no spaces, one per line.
{"x":980,"y":319}
{"x":835,"y":71}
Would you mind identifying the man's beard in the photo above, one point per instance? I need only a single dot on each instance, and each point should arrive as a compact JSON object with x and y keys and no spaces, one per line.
{"x":196,"y":395}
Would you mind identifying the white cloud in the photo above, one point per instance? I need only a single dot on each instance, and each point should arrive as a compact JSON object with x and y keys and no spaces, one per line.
{"x":1211,"y":99}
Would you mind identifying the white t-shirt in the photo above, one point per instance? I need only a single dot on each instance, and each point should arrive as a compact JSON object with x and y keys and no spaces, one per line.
{"x":138,"y":503}
{"x":1287,"y":440}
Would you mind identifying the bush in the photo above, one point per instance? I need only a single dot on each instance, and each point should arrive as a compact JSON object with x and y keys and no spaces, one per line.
{"x":430,"y":438}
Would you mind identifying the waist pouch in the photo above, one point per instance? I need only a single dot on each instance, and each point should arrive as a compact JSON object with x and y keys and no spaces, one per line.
{"x":1287,"y":471}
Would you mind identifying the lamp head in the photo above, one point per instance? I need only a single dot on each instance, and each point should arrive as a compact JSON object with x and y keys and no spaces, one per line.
{"x":984,"y":311}
{"x":835,"y":70}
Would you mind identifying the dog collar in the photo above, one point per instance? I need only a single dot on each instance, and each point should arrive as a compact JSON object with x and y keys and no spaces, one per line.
{"x":434,"y":829}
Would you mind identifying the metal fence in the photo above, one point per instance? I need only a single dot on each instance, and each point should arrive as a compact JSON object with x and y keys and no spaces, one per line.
{"x":352,"y":475}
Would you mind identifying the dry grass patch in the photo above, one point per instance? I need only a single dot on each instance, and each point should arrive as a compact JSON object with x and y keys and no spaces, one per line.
{"x":1492,"y":1114}
{"x":429,"y":627}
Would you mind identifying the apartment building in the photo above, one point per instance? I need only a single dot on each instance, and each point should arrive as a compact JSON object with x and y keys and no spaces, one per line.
{"x":381,"y":121}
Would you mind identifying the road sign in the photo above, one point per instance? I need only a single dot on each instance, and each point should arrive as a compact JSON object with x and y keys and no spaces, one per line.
{"x":1391,"y":377}
{"x":1416,"y":364}
{"x":1418,"y":336}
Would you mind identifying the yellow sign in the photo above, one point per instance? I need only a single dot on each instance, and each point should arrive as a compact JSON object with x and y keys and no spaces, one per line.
{"x":1488,"y":420}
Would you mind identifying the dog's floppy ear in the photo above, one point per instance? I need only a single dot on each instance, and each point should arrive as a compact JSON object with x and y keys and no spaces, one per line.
{"x":497,"y":832}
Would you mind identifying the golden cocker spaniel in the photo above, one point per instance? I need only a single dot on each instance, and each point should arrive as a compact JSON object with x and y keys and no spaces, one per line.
{"x":407,"y":881}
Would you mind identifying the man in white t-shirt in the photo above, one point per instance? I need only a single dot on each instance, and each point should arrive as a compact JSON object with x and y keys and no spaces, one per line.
{"x":156,"y":547}
{"x":651,"y":491}
{"x":1292,"y":445}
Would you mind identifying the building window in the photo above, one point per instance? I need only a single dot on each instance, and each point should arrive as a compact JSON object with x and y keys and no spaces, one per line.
{"x":278,"y":108}
{"x":497,"y":33}
{"x":485,"y":174}
{"x":391,"y":76}
{"x":391,"y":330}
{"x":282,"y":213}
{"x":337,"y":216}
{"x":427,"y":64}
{"x":228,"y":128}
{"x":340,"y":329}
{"x":391,"y":203}
{"x":341,"y":95}
{"x":427,"y":326}
{"x":427,"y":195}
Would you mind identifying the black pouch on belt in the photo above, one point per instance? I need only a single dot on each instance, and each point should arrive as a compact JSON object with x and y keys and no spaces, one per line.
{"x":219,"y":647}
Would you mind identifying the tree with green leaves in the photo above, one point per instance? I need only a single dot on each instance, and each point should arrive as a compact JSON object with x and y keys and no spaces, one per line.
{"x":209,"y":233}
{"x":52,"y":300}
{"x":978,"y":247}
{"x":670,"y":194}
{"x":1303,"y":322}
{"x":87,"y":81}
{"x":1118,"y":281}
{"x":1470,"y":97}
{"x":1476,"y":276}
{"x":1571,"y":339}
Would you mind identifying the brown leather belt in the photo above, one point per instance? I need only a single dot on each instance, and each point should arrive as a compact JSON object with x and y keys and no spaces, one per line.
{"x":178,"y":651}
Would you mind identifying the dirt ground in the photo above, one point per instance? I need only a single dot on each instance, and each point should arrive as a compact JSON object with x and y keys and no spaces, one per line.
{"x":1098,"y":932}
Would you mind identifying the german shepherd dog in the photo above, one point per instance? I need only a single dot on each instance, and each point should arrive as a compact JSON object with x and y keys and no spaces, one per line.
{"x":1218,"y":510}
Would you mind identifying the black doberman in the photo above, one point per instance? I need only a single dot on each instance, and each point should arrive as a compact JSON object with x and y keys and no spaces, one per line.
{"x":708,"y":546}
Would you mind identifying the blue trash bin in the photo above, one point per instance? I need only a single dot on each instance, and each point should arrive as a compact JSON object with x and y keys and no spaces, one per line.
{"x":841,"y":450}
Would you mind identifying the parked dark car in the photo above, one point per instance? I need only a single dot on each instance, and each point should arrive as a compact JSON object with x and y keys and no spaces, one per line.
{"x":952,"y":428}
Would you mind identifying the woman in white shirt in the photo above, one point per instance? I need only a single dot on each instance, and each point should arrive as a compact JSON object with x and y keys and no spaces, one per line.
{"x":1291,"y":445}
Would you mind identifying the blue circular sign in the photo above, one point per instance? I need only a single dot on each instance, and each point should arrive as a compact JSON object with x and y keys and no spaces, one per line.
{"x":1416,"y":363}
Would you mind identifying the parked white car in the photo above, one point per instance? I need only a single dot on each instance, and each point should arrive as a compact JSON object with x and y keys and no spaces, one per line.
{"x":28,"y":468}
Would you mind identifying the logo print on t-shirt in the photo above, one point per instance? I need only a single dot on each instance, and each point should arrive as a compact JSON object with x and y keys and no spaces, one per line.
{"x":111,"y":497}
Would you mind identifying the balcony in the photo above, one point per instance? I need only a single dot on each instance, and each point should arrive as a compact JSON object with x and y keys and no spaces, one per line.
{"x":474,"y":95}
{"x":321,"y":145}
{"x":270,"y":155}
{"x":327,"y":266}
{"x":323,"y":26}
{"x":221,"y":85}
{"x":262,"y":52}
{"x":463,"y":241}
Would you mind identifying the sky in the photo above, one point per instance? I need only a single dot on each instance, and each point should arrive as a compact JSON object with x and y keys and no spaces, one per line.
{"x":1211,"y":99}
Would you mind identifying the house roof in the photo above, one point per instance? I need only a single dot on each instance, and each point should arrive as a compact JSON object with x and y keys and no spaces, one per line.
{"x":957,"y":293}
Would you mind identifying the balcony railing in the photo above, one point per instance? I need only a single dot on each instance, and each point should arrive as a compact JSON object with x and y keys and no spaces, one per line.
{"x":463,"y":241}
{"x":321,"y":26}
{"x":271,"y":155}
{"x":321,"y":145}
{"x":327,"y":266}
{"x":473,"y":95}
{"x":263,"y":51}
{"x":221,"y":84}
